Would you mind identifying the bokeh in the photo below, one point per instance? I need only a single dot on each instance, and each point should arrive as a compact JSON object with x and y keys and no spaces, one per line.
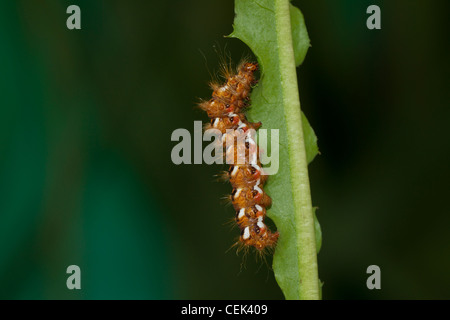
{"x":86,"y":177}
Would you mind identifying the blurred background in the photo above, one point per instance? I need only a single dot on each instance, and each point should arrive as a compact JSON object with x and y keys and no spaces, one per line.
{"x":86,"y":177}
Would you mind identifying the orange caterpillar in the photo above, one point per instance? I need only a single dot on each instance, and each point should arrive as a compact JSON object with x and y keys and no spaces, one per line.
{"x":225,"y":109}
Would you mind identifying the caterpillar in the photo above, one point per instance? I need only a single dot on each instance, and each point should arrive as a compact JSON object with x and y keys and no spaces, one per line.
{"x":226,"y":112}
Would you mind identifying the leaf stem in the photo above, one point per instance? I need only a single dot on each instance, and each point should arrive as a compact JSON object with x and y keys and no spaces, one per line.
{"x":304,"y":218}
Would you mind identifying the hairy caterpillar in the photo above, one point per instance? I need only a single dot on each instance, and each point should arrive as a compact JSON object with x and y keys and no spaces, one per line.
{"x":225,"y":109}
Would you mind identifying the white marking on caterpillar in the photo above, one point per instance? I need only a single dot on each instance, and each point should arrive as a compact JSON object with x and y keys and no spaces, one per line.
{"x":246,"y":233}
{"x":256,"y":167}
{"x":216,"y":122}
{"x":235,"y":170}
{"x":261,"y":225}
{"x":249,"y":140}
{"x":258,"y":189}
{"x":238,"y":192}
{"x":241,"y":213}
{"x":259,"y":208}
{"x":241,"y":125}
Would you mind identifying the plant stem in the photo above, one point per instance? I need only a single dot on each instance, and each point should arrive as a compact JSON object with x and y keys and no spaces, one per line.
{"x":304,"y":219}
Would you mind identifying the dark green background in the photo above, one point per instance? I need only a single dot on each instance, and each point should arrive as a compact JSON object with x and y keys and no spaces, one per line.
{"x":86,"y":177}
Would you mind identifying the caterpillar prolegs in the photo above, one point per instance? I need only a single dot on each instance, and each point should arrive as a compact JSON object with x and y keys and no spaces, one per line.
{"x":226,"y":111}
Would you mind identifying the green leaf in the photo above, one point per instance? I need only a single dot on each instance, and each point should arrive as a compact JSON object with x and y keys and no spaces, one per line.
{"x":310,"y":140}
{"x":299,"y":35}
{"x":318,"y":231}
{"x":275,"y":103}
